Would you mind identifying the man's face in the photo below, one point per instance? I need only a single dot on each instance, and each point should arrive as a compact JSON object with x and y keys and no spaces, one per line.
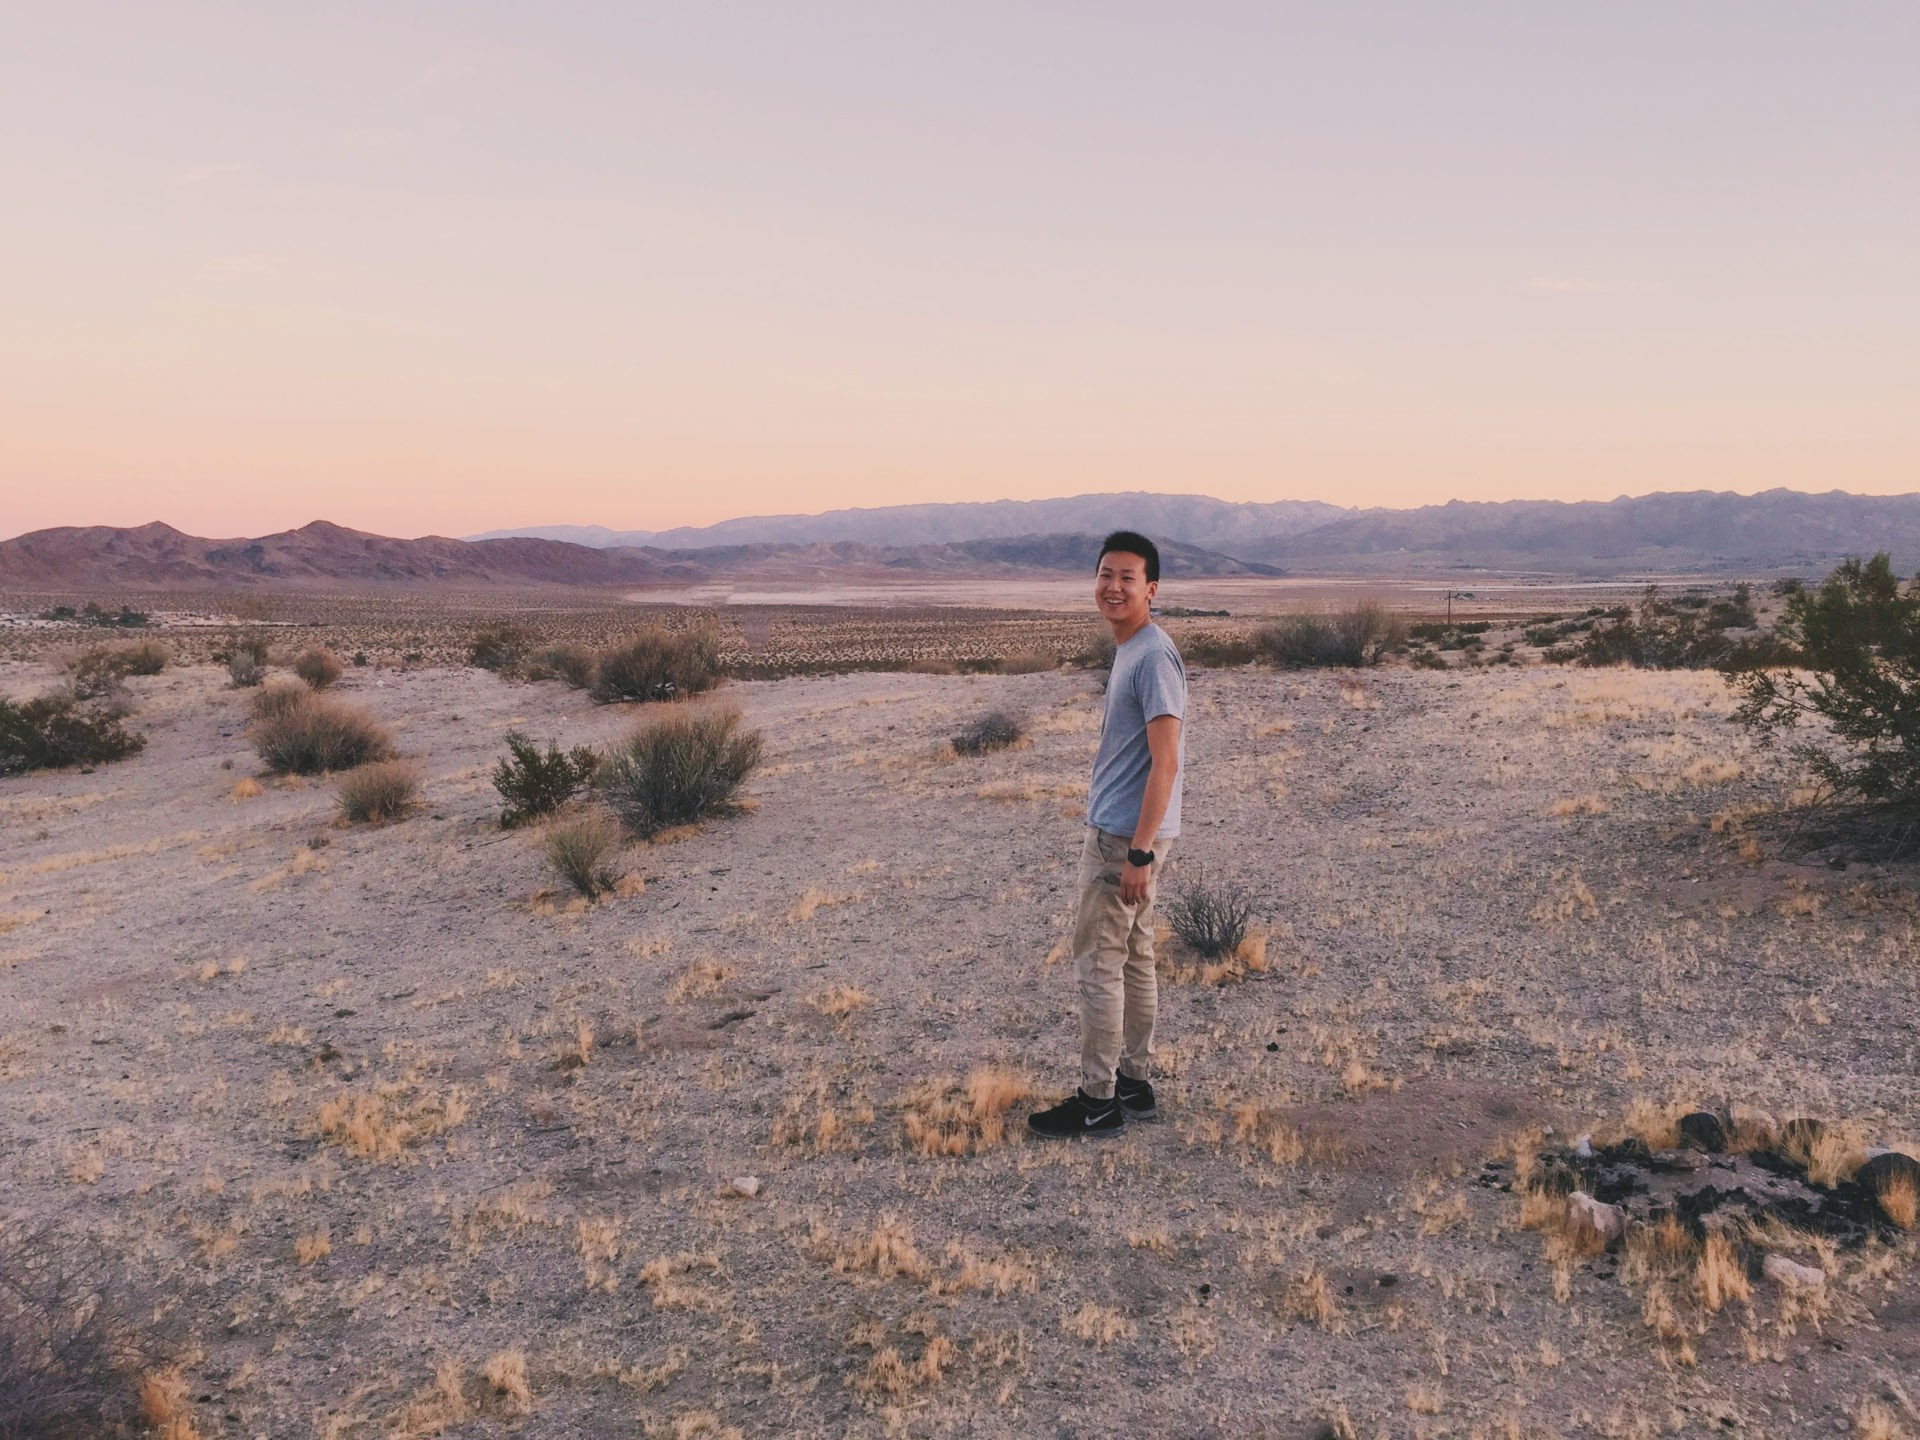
{"x":1121,"y":588}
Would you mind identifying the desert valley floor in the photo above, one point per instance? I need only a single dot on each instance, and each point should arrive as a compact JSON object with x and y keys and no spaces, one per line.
{"x":372,"y":1107}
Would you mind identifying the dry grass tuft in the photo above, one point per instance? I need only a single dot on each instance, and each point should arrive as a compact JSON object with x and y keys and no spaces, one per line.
{"x":245,"y":788}
{"x":887,"y":1250}
{"x":944,"y":1118}
{"x":1310,"y":1298}
{"x":578,"y":849}
{"x":379,"y":792}
{"x":699,"y":980}
{"x":297,"y":732}
{"x":375,"y":1125}
{"x":814,"y":901}
{"x":506,"y":1372}
{"x":1579,"y":805}
{"x":311,"y":1247}
{"x":1100,"y":1325}
{"x":838,"y":1000}
{"x":165,"y":1405}
{"x":1720,"y":1275}
{"x":1899,"y":1201}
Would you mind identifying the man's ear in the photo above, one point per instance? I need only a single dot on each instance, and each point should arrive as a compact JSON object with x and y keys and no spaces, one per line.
{"x":1153,"y":589}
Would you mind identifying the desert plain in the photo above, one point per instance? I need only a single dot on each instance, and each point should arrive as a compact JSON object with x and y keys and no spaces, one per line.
{"x":407,"y":1139}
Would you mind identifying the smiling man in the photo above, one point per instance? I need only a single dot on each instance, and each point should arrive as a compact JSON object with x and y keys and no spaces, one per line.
{"x":1133,"y":815}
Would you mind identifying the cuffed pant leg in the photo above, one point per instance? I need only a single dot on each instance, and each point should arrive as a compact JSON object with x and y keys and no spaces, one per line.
{"x":1100,"y":947}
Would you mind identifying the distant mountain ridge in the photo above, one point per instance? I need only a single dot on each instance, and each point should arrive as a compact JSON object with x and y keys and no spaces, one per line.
{"x":1686,"y":531}
{"x":1193,"y":519}
{"x":321,"y":555}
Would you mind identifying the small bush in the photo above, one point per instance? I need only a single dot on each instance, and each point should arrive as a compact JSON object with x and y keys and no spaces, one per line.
{"x":658,"y":665}
{"x":1359,"y":635}
{"x":72,"y":1357}
{"x":533,"y":784}
{"x":995,"y":730}
{"x":1098,"y":652}
{"x":1217,"y":652}
{"x":578,"y":849}
{"x":679,"y":768}
{"x":571,"y":663}
{"x":499,"y":646}
{"x":1029,"y":662}
{"x":318,"y":667}
{"x":932,"y":667}
{"x":99,"y":669}
{"x":385,"y":790}
{"x":310,"y":735}
{"x":282,"y":697}
{"x":1428,"y":660}
{"x":247,"y":661}
{"x":1210,"y":920}
{"x":57,"y":730}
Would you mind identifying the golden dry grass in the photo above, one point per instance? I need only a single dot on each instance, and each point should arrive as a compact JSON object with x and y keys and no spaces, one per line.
{"x":944,"y":1117}
{"x":839,"y":1000}
{"x":1100,"y":1325}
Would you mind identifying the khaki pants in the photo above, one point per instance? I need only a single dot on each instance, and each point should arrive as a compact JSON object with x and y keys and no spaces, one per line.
{"x":1113,"y":965}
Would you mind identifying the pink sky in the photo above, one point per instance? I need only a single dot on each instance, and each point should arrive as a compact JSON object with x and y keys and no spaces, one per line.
{"x":443,"y":268}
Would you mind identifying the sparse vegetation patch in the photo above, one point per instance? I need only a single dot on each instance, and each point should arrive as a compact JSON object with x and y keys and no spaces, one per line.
{"x":679,"y":768}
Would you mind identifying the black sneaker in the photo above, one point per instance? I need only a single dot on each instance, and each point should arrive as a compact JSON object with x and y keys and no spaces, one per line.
{"x":1078,"y":1114}
{"x":1135,"y":1097}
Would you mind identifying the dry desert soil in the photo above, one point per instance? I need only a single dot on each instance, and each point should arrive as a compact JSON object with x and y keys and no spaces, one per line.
{"x":410,"y":1142}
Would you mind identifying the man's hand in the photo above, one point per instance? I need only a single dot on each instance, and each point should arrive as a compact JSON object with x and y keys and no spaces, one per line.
{"x":1134,"y":880}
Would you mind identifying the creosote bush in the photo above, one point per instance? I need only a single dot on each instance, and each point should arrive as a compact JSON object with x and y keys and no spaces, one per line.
{"x":1858,"y":637}
{"x":318,"y":667}
{"x":577,"y":848}
{"x":678,"y":768}
{"x":658,"y":664}
{"x":60,"y":729}
{"x":302,"y":733}
{"x":99,"y":669}
{"x":1210,"y":919}
{"x":1361,"y":634}
{"x":994,"y":730}
{"x":533,"y":784}
{"x":384,"y":790}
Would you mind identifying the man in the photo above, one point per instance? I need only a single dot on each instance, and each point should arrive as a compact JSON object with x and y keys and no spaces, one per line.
{"x":1133,"y":815}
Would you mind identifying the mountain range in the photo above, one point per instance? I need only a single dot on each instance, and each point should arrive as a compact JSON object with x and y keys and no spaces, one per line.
{"x":1780,"y":531}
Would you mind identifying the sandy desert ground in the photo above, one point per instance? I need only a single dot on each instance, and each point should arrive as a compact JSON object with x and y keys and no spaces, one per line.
{"x":377,"y":1106}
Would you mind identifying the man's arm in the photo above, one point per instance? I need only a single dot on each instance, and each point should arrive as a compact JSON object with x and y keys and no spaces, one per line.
{"x":1163,"y":744}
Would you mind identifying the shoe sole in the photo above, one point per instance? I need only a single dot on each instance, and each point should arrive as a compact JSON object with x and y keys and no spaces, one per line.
{"x":1091,"y":1130}
{"x":1151,"y":1113}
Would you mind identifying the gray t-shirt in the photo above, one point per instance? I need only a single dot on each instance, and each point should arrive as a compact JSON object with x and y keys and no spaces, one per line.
{"x":1148,"y":681}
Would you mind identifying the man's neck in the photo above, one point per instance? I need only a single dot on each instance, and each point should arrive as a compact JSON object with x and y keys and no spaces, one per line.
{"x":1125,"y":630}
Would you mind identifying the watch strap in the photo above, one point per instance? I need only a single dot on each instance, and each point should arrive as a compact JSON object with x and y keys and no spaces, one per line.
{"x":1140,"y":858}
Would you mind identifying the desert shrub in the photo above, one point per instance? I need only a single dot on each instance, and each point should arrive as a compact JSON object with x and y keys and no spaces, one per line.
{"x":1358,"y":635}
{"x":384,"y":790}
{"x":675,"y":769}
{"x":1028,"y":662}
{"x":1859,"y":638}
{"x":1428,"y":660}
{"x":302,"y":733}
{"x":60,"y":729}
{"x":1098,"y":652}
{"x":1209,"y":918}
{"x":533,"y":784}
{"x":1688,"y":633}
{"x":932,"y":667}
{"x":97,"y":670}
{"x":499,"y":646}
{"x":578,"y":848}
{"x":72,"y":1356}
{"x":246,"y":660}
{"x":282,"y":697}
{"x":658,"y":664}
{"x":571,"y":663}
{"x":994,"y":730}
{"x":1216,"y":652}
{"x":318,"y":667}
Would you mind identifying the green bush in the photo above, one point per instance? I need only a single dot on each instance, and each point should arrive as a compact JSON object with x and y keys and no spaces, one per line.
{"x":1668,"y":635}
{"x":674,"y":770}
{"x":302,"y":733}
{"x":318,"y":667}
{"x":60,"y":729}
{"x":1358,"y":635}
{"x":658,"y":664}
{"x":246,"y":661}
{"x":1858,"y":637}
{"x":995,"y":730}
{"x":533,"y":784}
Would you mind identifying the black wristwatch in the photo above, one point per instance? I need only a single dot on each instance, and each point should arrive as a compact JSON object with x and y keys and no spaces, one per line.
{"x":1140,"y":858}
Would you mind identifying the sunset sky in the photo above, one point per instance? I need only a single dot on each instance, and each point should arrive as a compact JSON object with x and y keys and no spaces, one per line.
{"x":441,"y":268}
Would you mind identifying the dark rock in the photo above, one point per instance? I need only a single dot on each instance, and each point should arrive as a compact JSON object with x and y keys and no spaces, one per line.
{"x":1885,"y":1170}
{"x":1703,"y":1131}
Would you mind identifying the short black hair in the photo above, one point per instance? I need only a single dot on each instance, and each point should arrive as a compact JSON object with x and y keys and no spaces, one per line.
{"x":1131,"y":542}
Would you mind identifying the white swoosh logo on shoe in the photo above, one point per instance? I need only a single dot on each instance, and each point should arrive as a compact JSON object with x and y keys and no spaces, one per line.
{"x":1093,"y":1119}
